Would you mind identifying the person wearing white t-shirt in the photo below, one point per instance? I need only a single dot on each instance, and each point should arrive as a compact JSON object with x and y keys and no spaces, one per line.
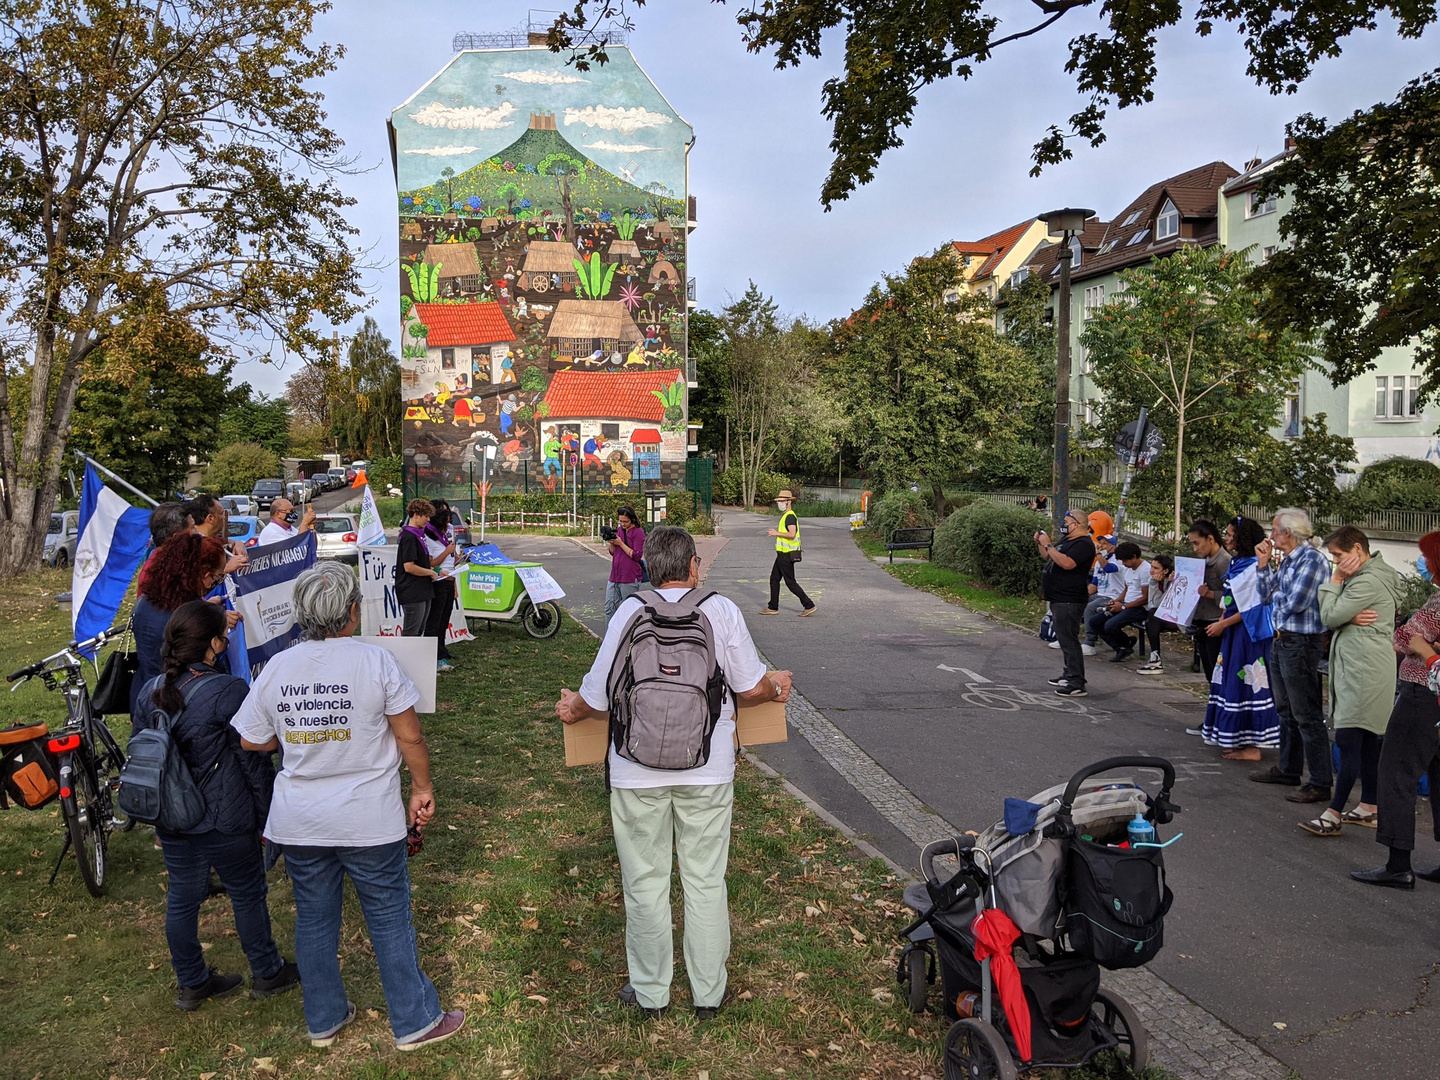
{"x":280,"y":528}
{"x":342,"y":715}
{"x":657,"y":811}
{"x":1107,"y":581}
{"x":1129,"y":607}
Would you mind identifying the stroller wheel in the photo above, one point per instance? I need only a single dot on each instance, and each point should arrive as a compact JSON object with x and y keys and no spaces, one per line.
{"x":917,"y":967}
{"x":1115,"y":1013}
{"x":976,"y":1051}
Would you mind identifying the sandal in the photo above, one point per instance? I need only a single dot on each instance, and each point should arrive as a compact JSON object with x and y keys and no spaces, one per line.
{"x":1322,"y":826}
{"x":1356,"y":816}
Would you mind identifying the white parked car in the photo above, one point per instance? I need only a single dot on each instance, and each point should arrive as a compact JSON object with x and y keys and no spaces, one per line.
{"x":336,"y":537}
{"x":240,"y":505}
{"x":60,"y":539}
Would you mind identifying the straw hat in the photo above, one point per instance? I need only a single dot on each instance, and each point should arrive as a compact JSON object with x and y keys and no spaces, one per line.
{"x":785,"y":494}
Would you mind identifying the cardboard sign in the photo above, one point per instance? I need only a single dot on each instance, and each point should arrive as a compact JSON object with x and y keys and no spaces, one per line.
{"x":586,"y":743}
{"x":539,"y":585}
{"x":417,"y":659}
{"x":380,"y":614}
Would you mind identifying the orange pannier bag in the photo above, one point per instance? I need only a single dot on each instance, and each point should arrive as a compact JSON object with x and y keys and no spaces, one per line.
{"x":27,"y":772}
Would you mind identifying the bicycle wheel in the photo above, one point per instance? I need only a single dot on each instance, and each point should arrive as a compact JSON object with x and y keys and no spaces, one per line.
{"x":85,"y":812}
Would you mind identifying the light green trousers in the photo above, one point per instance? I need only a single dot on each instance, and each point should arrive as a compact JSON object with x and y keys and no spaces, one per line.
{"x":649,"y":824}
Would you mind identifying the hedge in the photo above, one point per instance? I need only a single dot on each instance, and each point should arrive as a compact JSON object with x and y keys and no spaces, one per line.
{"x":727,"y":487}
{"x":994,"y":542}
{"x":900,"y":509}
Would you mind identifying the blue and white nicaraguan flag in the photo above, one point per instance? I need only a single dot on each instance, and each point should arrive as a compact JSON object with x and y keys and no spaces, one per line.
{"x":264,"y":592}
{"x":112,"y":541}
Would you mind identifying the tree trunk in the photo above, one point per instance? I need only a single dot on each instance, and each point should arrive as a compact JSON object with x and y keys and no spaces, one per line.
{"x":940,"y":501}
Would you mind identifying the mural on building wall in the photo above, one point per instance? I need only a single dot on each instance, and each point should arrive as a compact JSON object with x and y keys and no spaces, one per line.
{"x":542,"y":262}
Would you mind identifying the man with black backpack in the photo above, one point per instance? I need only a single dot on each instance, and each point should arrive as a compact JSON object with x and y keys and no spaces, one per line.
{"x":667,"y":679}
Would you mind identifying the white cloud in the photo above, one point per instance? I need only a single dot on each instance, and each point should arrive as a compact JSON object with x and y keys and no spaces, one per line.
{"x":445,"y":151}
{"x":467,"y":117}
{"x":541,"y":78}
{"x":614,"y":118}
{"x":621,"y":148}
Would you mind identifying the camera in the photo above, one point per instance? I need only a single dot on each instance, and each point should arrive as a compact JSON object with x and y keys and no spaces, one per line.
{"x":607,"y":532}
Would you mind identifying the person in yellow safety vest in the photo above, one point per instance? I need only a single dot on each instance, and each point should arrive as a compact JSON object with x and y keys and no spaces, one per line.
{"x":787,"y":554}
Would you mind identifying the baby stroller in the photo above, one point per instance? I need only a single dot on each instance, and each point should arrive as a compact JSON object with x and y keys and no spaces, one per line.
{"x":1040,"y":902}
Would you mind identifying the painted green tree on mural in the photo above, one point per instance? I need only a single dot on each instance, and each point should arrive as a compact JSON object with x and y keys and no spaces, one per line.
{"x":595,"y":276}
{"x":564,"y":169}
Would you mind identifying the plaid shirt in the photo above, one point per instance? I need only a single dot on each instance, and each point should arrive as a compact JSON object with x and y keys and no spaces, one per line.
{"x":1293,"y":590}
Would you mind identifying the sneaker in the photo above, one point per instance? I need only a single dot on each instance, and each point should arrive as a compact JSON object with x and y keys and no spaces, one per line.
{"x":769,"y":611}
{"x":1194,"y":731}
{"x":1273,"y":775}
{"x":809,"y":611}
{"x":1152,"y":666}
{"x":216,"y":986}
{"x":709,"y":1012}
{"x":1087,"y":649}
{"x":444,"y":665}
{"x":287,"y":978}
{"x":1122,"y":655}
{"x":322,"y":1041}
{"x":450,"y":1023}
{"x":629,"y":997}
{"x":1070,"y":691}
{"x":1059,"y":680}
{"x":1053,"y":644}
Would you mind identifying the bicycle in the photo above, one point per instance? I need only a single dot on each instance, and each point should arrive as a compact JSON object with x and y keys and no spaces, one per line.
{"x":87,"y":756}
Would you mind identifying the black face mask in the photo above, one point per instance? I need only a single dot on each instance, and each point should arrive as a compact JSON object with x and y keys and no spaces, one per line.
{"x":292,"y":517}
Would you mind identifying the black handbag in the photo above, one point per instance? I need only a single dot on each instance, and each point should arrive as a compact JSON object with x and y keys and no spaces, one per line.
{"x":112,"y":690}
{"x":795,"y":555}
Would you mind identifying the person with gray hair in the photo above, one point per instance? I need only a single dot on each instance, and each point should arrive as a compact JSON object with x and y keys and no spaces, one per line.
{"x":342,"y":715}
{"x":658,"y":813}
{"x":1293,"y":591}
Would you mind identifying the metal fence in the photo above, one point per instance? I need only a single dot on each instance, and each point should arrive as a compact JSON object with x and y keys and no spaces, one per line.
{"x":1407,"y":523}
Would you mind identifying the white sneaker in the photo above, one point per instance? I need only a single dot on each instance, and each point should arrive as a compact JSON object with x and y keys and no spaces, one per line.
{"x":1153,"y":666}
{"x":1088,"y":650}
{"x":1053,"y":644}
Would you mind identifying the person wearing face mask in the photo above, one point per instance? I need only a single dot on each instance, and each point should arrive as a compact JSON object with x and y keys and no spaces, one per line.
{"x":283,"y":522}
{"x":1411,"y":749}
{"x":787,"y":554}
{"x":1063,"y":584}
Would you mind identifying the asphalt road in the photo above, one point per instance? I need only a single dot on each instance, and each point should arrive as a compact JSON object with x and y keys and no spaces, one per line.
{"x":1266,"y":930}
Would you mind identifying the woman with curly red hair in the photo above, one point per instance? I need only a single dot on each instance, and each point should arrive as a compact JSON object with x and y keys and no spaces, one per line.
{"x":184,"y":568}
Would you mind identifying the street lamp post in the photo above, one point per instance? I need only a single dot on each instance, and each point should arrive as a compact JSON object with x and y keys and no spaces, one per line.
{"x":1068,"y":223}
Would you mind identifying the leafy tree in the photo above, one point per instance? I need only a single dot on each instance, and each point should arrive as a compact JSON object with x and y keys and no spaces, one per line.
{"x":309,"y":393}
{"x":234,"y":470}
{"x":1362,"y":270}
{"x":256,"y":418}
{"x":1185,"y":341}
{"x":1022,"y":313}
{"x":448,"y":175}
{"x":926,"y":385}
{"x":365,"y":415}
{"x":147,"y":416}
{"x":509,"y":192}
{"x":159,"y":159}
{"x":707,"y":399}
{"x":892,"y":50}
{"x":564,"y":169}
{"x":308,"y":440}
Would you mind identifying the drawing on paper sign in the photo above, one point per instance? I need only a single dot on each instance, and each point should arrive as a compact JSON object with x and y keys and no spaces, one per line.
{"x":1184,"y":592}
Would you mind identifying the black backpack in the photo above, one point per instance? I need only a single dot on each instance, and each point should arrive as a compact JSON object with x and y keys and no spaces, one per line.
{"x":156,"y":785}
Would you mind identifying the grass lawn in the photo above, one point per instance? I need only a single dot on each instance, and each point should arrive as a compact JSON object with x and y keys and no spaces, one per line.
{"x":518,"y":909}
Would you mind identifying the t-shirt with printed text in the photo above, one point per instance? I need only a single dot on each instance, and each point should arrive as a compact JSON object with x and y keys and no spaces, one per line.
{"x":327,"y":703}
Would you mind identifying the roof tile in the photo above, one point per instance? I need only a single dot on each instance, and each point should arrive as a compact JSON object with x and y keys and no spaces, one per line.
{"x":617,"y":395}
{"x":451,"y":325}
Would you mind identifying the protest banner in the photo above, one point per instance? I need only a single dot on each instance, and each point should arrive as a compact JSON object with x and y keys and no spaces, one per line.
{"x":263,"y":591}
{"x":1184,"y":592}
{"x":380,"y":614}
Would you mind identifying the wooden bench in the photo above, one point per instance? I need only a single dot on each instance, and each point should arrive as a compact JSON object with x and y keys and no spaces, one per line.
{"x":911,"y":540}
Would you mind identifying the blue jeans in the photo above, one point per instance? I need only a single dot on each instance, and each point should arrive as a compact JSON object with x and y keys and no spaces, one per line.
{"x":1113,"y":628}
{"x":382,"y":884}
{"x":238,"y":861}
{"x":1295,"y":682}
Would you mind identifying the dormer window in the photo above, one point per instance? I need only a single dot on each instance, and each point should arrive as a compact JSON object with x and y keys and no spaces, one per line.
{"x":1018,"y":277}
{"x":1075,"y":251}
{"x":1138,"y":237}
{"x":1167,"y":225}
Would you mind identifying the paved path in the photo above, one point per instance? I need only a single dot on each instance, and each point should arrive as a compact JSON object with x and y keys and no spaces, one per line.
{"x":914,"y":715}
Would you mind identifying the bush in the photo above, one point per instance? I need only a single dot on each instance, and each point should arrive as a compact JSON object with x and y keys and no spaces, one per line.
{"x":679,"y":507}
{"x":727,"y":489}
{"x":383,"y":473}
{"x":997,"y":545}
{"x":1394,"y":484}
{"x":900,"y":509}
{"x":948,"y":548}
{"x":391,"y":511}
{"x":1417,"y":591}
{"x":701,"y":525}
{"x":826,"y":508}
{"x":234,"y":470}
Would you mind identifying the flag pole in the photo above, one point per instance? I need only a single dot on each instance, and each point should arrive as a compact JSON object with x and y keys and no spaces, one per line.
{"x":117,"y":478}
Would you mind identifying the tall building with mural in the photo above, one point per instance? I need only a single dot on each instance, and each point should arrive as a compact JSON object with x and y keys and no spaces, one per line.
{"x":544,"y":221}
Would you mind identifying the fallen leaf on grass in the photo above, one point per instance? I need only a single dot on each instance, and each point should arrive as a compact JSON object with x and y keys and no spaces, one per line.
{"x":208,"y":1076}
{"x":811,"y":1052}
{"x":539,"y":997}
{"x":265,"y":1066}
{"x":151,"y":967}
{"x":835,"y":1046}
{"x":372,"y":1014}
{"x":532,"y":923}
{"x":575,"y":965}
{"x":574,"y":871}
{"x":811,"y":911}
{"x":745,"y":995}
{"x":68,"y":937}
{"x":857,"y":935}
{"x":882,"y":995}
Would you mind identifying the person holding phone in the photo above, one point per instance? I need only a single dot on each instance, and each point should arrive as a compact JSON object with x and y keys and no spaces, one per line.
{"x":1063,"y":584}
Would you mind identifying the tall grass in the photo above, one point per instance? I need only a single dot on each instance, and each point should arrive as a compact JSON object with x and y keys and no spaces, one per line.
{"x":826,"y":508}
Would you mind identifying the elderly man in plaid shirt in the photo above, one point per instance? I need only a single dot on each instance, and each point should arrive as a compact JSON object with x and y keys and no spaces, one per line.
{"x":1293,"y":589}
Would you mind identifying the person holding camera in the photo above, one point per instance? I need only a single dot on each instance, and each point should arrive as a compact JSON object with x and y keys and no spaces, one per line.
{"x":1063,"y":583}
{"x":283,"y":519}
{"x":627,"y":547}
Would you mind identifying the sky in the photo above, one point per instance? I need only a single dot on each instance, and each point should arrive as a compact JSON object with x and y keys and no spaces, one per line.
{"x":761,"y":149}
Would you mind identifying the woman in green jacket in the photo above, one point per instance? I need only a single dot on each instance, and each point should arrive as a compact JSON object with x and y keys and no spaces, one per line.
{"x":1362,"y":670}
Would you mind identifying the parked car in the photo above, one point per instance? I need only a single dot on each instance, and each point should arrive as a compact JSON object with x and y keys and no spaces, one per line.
{"x":298,"y":491}
{"x":350,"y":473}
{"x":336,"y":537}
{"x":245,"y":528}
{"x":320,"y":481}
{"x":240,"y":504}
{"x":339,"y":477}
{"x":60,"y":539}
{"x":266,"y":492}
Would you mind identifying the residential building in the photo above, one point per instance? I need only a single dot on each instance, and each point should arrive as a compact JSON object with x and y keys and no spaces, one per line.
{"x":987,"y":264}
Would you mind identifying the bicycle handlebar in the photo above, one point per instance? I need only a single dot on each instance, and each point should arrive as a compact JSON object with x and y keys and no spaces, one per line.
{"x":96,"y":642}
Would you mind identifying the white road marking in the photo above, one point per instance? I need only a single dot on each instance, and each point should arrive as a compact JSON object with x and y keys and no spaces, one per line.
{"x":974,"y":676}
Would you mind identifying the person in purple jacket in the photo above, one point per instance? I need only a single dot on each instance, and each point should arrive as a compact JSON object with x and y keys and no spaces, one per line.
{"x":626,"y":571}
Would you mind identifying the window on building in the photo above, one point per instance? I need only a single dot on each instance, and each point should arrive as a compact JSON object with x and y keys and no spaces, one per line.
{"x":990,"y":290}
{"x":1167,"y":224}
{"x":1257,"y":206}
{"x":952,"y":296}
{"x":1292,"y":415}
{"x":611,"y":432}
{"x":1267,"y":253}
{"x":1130,"y":220}
{"x":1138,"y":237}
{"x":1075,"y":252}
{"x":1019,"y":276}
{"x":1397,"y":397}
{"x":447,"y":359}
{"x":1108,"y":245}
{"x":1094,"y":299}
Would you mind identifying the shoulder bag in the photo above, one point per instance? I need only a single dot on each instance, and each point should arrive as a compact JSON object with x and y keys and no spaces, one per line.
{"x":112,"y":690}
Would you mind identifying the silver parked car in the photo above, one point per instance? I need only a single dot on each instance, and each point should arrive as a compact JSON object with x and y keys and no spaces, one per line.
{"x":240,"y":505}
{"x":60,"y":539}
{"x":336,"y":537}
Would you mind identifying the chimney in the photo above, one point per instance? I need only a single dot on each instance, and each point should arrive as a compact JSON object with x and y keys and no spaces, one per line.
{"x":1289,"y":143}
{"x":540,"y":37}
{"x":1250,"y":164}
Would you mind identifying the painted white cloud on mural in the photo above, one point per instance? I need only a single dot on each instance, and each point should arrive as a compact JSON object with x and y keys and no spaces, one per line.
{"x":621,"y":148}
{"x":465,"y":117}
{"x":614,"y":118}
{"x":542,"y":78}
{"x":445,"y":151}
